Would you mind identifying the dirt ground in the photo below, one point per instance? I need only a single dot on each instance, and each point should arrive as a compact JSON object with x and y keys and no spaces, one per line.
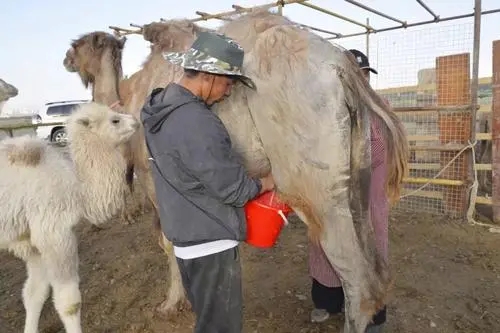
{"x":447,"y":280}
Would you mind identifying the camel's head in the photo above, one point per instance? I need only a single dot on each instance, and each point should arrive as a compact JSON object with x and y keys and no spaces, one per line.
{"x":7,"y":91}
{"x":101,"y":122}
{"x":91,"y":52}
{"x":173,"y":35}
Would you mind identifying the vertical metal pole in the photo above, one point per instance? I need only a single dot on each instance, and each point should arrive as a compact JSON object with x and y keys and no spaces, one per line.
{"x":495,"y":132}
{"x":475,"y":63}
{"x":474,"y":98}
{"x":368,"y":38}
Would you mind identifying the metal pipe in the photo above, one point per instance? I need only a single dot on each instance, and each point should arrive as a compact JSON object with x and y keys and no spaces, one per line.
{"x":495,"y":131}
{"x":360,"y":5}
{"x":474,"y":90}
{"x":203,"y":15}
{"x":475,"y":66}
{"x":239,"y":11}
{"x":368,"y":39}
{"x":409,"y":25}
{"x":310,"y":5}
{"x":421,"y":3}
{"x":320,"y":30}
{"x":122,"y":31}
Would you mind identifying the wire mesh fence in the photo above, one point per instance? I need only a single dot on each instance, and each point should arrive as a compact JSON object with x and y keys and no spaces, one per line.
{"x":425,"y":74}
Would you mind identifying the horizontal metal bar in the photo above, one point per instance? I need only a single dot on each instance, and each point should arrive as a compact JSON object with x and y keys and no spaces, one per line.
{"x":451,"y":108}
{"x":420,"y":138}
{"x":241,"y":10}
{"x":434,"y":181}
{"x":436,"y":17}
{"x":355,"y":3}
{"x":122,"y":31}
{"x":320,"y":30}
{"x":326,"y":11}
{"x":23,"y":126}
{"x":447,"y":147}
{"x":222,"y":15}
{"x":203,"y":15}
{"x":484,"y":201}
{"x":409,"y":25}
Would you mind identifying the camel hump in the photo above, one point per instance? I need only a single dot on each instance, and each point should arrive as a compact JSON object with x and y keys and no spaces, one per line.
{"x":24,"y":150}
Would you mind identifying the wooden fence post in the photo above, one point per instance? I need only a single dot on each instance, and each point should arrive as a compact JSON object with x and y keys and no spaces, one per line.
{"x":453,"y":89}
{"x":495,"y":131}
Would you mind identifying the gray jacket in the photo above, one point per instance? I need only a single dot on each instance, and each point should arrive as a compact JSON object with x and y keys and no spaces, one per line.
{"x":201,"y":187}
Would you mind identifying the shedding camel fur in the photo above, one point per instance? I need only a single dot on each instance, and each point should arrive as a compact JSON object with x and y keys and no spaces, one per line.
{"x":44,"y":194}
{"x":308,"y":122}
{"x":310,"y":119}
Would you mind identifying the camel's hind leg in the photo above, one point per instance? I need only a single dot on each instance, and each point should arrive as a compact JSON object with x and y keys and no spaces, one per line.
{"x":176,"y":299}
{"x":67,"y":300}
{"x":363,"y":288}
{"x":35,"y":292}
{"x":60,"y":260}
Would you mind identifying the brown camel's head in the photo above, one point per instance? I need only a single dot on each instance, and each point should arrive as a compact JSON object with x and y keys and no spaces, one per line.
{"x":173,"y":35}
{"x":91,"y":52}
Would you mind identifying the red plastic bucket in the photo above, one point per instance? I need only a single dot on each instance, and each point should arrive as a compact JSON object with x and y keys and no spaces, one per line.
{"x":266,"y":216}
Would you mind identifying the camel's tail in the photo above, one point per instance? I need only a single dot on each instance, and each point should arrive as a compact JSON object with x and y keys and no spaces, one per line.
{"x":397,"y":149}
{"x":24,"y":150}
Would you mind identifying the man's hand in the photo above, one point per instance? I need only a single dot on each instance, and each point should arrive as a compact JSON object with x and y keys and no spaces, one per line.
{"x":267,"y":183}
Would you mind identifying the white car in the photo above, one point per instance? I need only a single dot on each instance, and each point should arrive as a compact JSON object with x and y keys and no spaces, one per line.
{"x":51,"y":119}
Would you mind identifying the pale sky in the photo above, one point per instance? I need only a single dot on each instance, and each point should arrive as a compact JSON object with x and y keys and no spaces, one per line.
{"x":36,"y":35}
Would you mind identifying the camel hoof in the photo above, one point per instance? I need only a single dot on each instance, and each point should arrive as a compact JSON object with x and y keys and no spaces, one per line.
{"x":95,"y":228}
{"x":169,"y":311}
{"x":128,"y":220}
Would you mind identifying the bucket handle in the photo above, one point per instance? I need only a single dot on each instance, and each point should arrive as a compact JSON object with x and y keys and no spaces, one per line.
{"x":285,"y":220}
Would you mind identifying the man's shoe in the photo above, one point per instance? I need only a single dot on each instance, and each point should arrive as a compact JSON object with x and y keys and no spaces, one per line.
{"x":319,"y":315}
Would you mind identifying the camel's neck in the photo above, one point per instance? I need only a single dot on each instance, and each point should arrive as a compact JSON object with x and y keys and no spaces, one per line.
{"x":101,"y":171}
{"x":105,"y":88}
{"x":156,"y":72}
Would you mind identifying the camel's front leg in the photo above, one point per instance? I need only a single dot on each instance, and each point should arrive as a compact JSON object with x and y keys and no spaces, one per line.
{"x":35,"y":292}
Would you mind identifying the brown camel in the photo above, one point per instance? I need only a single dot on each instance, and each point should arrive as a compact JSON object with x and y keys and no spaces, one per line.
{"x":175,"y":35}
{"x":308,"y":121}
{"x":97,"y":58}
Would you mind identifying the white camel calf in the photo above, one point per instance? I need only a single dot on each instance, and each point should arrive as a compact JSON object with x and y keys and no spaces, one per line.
{"x":43,"y":195}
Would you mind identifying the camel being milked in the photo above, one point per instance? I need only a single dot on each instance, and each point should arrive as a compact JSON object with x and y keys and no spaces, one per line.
{"x":308,"y":121}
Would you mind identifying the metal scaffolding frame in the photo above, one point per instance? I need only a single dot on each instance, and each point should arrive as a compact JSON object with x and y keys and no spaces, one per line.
{"x":280,"y":4}
{"x":237,"y":10}
{"x":368,"y":29}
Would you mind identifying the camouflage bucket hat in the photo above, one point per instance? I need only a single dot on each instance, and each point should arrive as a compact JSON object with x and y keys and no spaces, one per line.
{"x":213,"y":53}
